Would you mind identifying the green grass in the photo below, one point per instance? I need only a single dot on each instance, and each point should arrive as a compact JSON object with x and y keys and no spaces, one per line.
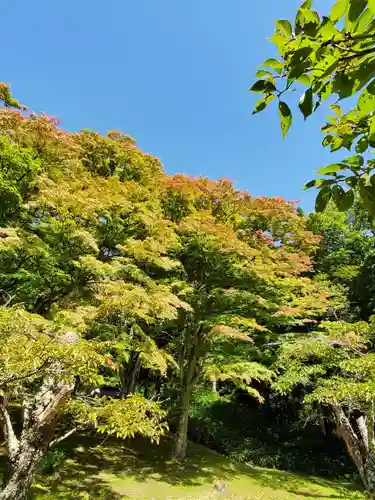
{"x":137,"y":469}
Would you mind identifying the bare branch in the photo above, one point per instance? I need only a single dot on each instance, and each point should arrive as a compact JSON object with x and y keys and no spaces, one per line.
{"x":63,"y":437}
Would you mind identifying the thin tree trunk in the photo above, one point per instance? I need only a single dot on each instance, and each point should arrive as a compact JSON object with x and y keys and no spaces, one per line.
{"x":214,"y":385}
{"x":189,"y":372}
{"x":180,"y":445}
{"x":134,"y":375}
{"x":322,"y":422}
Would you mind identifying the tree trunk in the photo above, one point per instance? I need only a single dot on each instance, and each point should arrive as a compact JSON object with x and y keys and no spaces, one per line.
{"x":134,"y":375}
{"x":189,"y":372}
{"x":180,"y":445}
{"x":40,"y":414}
{"x":370,"y":475}
{"x":214,"y":385}
{"x":21,"y":471}
{"x":359,"y":447}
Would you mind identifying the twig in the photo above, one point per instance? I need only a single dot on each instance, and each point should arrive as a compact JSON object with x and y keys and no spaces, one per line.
{"x":63,"y":437}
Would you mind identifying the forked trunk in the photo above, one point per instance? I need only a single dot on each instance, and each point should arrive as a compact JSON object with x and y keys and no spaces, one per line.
{"x":360,"y":447}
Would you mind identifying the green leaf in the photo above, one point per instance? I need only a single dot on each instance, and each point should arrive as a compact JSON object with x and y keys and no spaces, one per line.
{"x":372,"y":180}
{"x":327,"y":140}
{"x":331,"y":169}
{"x":327,"y":30}
{"x":263,"y":103}
{"x":284,"y":26}
{"x":371,"y":134}
{"x":263,"y":86}
{"x":345,"y":201}
{"x":285,"y":117}
{"x":356,"y":7}
{"x":307,"y":4}
{"x":366,"y":101}
{"x":337,"y":110}
{"x":273,"y":63}
{"x":361,"y":145}
{"x":364,"y":19}
{"x":305,"y":79}
{"x":280,"y":41}
{"x":354,"y":161}
{"x":371,"y":5}
{"x":299,"y":21}
{"x":306,"y":103}
{"x":337,"y":193}
{"x":310,"y":184}
{"x":338,"y":10}
{"x":352,"y":180}
{"x":322,"y":199}
{"x":261,"y":73}
{"x":367,"y":194}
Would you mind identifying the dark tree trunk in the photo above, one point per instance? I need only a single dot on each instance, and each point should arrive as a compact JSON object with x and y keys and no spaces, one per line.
{"x":134,"y":375}
{"x":180,"y":444}
{"x":189,"y":372}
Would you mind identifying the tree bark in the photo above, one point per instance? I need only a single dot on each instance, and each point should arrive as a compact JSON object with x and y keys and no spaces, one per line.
{"x":180,"y":445}
{"x":189,"y":372}
{"x":360,"y":448}
{"x":214,"y":385}
{"x":40,"y":414}
{"x":134,"y":374}
{"x":21,"y":471}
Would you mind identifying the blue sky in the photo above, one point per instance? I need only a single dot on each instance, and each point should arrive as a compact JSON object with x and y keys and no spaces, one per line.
{"x":173,"y":74}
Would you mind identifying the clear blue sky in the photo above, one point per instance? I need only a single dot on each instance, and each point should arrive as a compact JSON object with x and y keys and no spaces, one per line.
{"x":173,"y":74}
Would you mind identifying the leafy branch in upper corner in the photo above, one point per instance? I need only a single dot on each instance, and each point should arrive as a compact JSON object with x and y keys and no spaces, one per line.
{"x":334,"y":57}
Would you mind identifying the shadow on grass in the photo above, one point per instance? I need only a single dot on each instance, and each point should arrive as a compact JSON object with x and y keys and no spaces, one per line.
{"x":80,"y":476}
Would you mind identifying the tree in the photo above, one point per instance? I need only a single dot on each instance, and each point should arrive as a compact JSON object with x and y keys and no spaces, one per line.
{"x":241,"y":262}
{"x":40,"y":361}
{"x":333,"y":57}
{"x":7,"y":98}
{"x":335,"y":366}
{"x":65,"y":255}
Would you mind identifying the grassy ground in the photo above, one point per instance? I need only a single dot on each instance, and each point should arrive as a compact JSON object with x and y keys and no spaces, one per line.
{"x":116,"y":470}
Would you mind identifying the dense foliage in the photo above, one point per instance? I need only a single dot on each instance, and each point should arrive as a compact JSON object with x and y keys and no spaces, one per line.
{"x":173,"y":299}
{"x":333,"y":56}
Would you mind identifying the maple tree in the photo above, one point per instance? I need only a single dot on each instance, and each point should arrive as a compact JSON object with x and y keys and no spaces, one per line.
{"x":137,"y":271}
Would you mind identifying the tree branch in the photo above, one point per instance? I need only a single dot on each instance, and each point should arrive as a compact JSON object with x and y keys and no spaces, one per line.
{"x":15,"y":378}
{"x":63,"y":437}
{"x":358,"y":54}
{"x":9,"y":434}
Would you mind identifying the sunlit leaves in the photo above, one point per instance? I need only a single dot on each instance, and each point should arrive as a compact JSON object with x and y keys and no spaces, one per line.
{"x":284,"y":26}
{"x":366,"y":101}
{"x":338,"y":10}
{"x":330,"y":169}
{"x":334,"y":57}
